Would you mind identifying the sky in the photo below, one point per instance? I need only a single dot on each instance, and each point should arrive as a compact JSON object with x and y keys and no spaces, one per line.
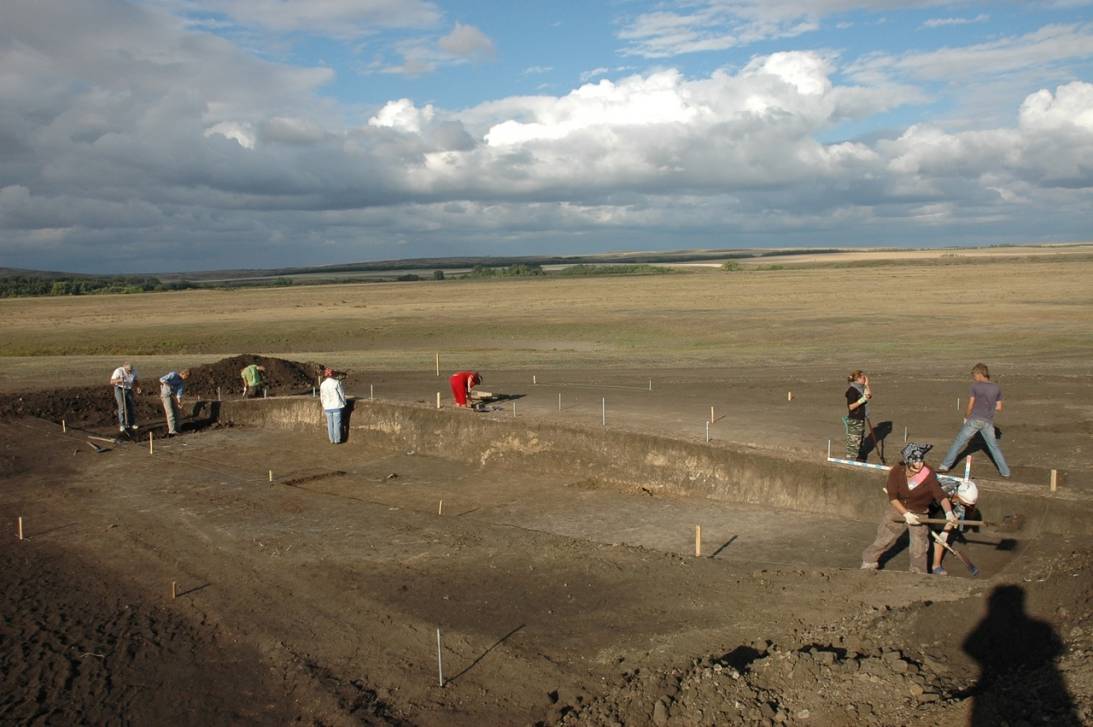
{"x":174,"y":135}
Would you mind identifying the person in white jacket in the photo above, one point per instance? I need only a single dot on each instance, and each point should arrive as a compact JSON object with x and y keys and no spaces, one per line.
{"x":332,"y":399}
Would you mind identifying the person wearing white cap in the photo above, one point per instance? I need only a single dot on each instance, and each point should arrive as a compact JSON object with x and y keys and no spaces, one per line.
{"x":962,"y":494}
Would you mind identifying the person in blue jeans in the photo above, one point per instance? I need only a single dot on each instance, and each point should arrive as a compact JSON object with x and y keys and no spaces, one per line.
{"x":985,"y":399}
{"x":332,"y":398}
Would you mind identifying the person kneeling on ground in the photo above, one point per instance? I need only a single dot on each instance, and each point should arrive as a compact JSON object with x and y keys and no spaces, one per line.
{"x":332,"y":398}
{"x":171,"y":388}
{"x":962,"y":496}
{"x":462,"y":382}
{"x":253,"y":379}
{"x":911,"y":488}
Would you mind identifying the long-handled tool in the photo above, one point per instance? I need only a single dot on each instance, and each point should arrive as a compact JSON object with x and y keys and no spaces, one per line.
{"x":963,"y":558}
{"x":1009,"y":523}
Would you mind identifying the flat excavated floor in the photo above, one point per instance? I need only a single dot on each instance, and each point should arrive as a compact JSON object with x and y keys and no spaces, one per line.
{"x":547,"y":588}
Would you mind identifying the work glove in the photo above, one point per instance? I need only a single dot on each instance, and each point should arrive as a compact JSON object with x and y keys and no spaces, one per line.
{"x":951,"y":518}
{"x":910,"y":518}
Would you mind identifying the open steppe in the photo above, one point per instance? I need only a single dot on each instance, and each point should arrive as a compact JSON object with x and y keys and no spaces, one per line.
{"x":564,"y":581}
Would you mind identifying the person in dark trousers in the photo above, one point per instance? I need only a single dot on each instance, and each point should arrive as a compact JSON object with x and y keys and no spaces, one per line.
{"x":984,"y":400}
{"x":462,"y":382}
{"x":911,"y":488}
{"x":858,"y":395}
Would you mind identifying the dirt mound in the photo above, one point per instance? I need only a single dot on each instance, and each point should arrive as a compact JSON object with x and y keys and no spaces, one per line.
{"x":94,"y":406}
{"x":284,"y":377}
{"x":982,"y":661}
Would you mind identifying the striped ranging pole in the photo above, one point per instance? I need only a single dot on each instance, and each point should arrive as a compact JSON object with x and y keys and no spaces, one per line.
{"x":855,"y":463}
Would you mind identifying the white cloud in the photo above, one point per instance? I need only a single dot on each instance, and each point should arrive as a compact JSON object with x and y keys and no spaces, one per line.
{"x":467,"y":41}
{"x":242,"y":133}
{"x":402,"y":115}
{"x":140,"y":143}
{"x":710,"y":25}
{"x":1070,"y":107}
{"x":944,"y":22}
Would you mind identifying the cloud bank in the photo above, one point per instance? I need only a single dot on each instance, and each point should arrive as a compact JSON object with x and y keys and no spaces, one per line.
{"x":142,"y":144}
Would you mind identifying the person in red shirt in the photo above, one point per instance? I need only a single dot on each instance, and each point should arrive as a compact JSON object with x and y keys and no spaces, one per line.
{"x":912,"y":487}
{"x":462,"y":382}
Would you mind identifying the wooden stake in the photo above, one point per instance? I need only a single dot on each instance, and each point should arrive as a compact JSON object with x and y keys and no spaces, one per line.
{"x":440,"y":508}
{"x":789,"y":396}
{"x":271,"y":475}
{"x":151,"y":449}
{"x":514,"y":408}
{"x":174,"y":590}
{"x":438,"y":364}
{"x":559,"y":401}
{"x":958,"y":404}
{"x":20,"y":527}
{"x":370,"y":391}
{"x":1054,"y":479}
{"x":829,"y":449}
{"x":650,"y":384}
{"x":698,"y":541}
{"x":905,"y":435}
{"x":534,"y":379}
{"x":218,"y":393}
{"x":604,"y":411}
{"x":64,"y":427}
{"x":438,"y":400}
{"x":712,"y":418}
{"x":707,"y":432}
{"x":312,"y":392}
{"x":439,"y":661}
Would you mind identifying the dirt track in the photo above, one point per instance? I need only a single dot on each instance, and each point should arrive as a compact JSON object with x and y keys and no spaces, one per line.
{"x":558,"y":600}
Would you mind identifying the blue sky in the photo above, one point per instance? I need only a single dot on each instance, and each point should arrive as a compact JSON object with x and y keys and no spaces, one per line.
{"x":196,"y":134}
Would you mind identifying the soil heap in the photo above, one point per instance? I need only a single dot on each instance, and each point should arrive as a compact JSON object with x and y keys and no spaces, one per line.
{"x":94,"y":406}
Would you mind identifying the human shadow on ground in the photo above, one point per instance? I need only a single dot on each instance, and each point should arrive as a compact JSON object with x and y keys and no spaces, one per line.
{"x":473,"y":664}
{"x":203,"y":415}
{"x":347,"y":418}
{"x":870,"y":444}
{"x":1019,"y":682}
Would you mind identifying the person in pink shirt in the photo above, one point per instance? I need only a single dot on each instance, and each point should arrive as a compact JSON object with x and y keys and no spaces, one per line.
{"x":911,"y":488}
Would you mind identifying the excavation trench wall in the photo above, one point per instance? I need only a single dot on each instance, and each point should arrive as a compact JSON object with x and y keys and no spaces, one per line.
{"x":659,"y":464}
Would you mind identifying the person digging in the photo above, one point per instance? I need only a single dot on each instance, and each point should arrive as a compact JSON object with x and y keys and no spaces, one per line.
{"x":962,"y":496}
{"x":912,"y":487}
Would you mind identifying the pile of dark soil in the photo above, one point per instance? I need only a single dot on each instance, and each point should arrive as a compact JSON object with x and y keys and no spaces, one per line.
{"x":94,"y":406}
{"x":916,"y":664}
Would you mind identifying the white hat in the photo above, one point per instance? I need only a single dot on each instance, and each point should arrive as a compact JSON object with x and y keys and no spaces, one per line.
{"x":968,"y":492}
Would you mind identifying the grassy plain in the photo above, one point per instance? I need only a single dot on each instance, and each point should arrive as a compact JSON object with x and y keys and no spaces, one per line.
{"x":1035,"y":308}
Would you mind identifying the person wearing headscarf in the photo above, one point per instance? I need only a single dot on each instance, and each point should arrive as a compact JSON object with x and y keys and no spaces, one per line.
{"x":912,"y":487}
{"x":962,"y":494}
